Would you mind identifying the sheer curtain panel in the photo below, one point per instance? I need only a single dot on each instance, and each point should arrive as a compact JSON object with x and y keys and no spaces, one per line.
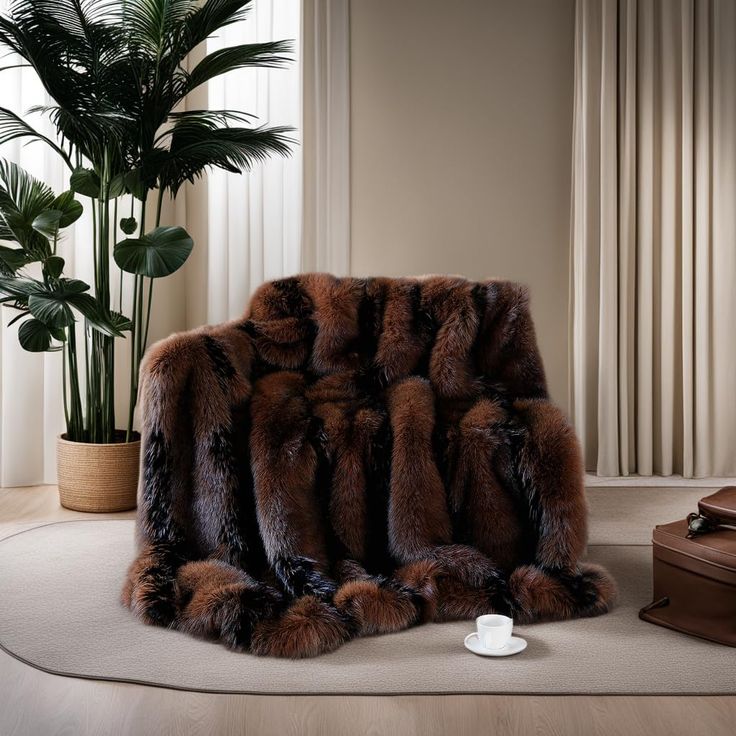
{"x":247,"y":229}
{"x":653,"y":365}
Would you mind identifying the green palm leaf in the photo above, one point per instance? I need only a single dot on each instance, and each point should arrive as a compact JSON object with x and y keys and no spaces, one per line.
{"x":208,"y":18}
{"x":195,"y":148}
{"x":156,"y":254}
{"x":35,"y":337}
{"x":51,"y":309}
{"x":12,"y":126}
{"x":71,"y":210}
{"x":23,"y":199}
{"x":152,"y":23}
{"x":20,"y":289}
{"x":108,"y":323}
{"x":26,"y":193}
{"x":76,"y":47}
{"x":237,"y":57}
{"x":54,"y":305}
{"x":11,"y":259}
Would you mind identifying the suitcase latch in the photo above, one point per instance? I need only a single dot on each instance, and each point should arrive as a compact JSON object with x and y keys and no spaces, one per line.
{"x":698,"y":524}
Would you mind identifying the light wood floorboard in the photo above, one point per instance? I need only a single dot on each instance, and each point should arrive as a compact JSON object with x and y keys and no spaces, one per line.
{"x":34,"y":703}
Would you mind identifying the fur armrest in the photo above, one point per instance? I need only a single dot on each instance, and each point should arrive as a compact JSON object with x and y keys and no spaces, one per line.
{"x":191,"y":385}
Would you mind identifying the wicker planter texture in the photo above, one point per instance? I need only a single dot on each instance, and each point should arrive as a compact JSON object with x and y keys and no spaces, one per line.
{"x":98,"y":478}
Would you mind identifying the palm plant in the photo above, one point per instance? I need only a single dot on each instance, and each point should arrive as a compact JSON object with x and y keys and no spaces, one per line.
{"x":32,"y":219}
{"x":116,"y":73}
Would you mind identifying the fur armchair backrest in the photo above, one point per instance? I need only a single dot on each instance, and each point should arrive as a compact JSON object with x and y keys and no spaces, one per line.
{"x":353,"y":457}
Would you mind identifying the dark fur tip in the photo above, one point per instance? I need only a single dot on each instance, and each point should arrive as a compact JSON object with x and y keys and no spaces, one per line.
{"x":157,"y":610}
{"x":299,"y":577}
{"x":595,"y":590}
{"x":253,"y":605}
{"x":591,"y":588}
{"x":263,"y":601}
{"x":499,"y":596}
{"x":150,"y":590}
{"x":371,"y":380}
{"x":546,"y":595}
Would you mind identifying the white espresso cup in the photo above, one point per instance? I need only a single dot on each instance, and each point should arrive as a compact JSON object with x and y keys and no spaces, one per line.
{"x":494,"y":630}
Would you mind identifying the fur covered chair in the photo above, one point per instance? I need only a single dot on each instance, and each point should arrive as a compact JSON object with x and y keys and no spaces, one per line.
{"x":354,"y":457}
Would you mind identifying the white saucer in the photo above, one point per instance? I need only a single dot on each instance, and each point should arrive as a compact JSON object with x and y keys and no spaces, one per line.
{"x":516,"y":644}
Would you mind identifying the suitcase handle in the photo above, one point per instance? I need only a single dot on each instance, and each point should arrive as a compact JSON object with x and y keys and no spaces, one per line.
{"x":714,"y":511}
{"x":719,"y":507}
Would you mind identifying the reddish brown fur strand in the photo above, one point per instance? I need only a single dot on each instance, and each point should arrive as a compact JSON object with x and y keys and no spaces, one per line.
{"x":376,"y":608}
{"x":335,"y":310}
{"x":551,"y":456}
{"x":308,"y":628}
{"x":349,"y":434}
{"x":284,"y":465}
{"x":354,"y":457}
{"x":475,"y":490}
{"x":421,"y":578}
{"x":217,"y":600}
{"x":540,"y":596}
{"x":418,"y":518}
{"x":450,"y":302}
{"x":400,"y":346}
{"x":150,"y":588}
{"x":457,"y":601}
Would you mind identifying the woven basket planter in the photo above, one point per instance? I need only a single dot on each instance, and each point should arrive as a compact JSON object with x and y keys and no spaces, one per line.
{"x":98,"y":478}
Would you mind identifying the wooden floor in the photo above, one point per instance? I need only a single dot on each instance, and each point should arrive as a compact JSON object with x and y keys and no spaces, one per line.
{"x":33,"y":703}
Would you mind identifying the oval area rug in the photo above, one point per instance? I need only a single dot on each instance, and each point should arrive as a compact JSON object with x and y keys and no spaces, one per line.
{"x":60,"y":612}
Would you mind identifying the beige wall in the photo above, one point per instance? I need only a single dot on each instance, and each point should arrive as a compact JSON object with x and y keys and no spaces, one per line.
{"x":461,"y":145}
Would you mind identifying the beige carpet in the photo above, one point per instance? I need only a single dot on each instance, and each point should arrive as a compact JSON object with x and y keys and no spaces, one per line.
{"x":59,"y":611}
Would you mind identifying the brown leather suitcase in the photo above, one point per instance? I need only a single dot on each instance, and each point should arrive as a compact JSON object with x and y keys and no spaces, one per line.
{"x":694,"y":571}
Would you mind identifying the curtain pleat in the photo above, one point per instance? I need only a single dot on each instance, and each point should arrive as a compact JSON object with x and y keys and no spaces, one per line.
{"x":624,"y":430}
{"x":653,"y":364}
{"x":326,"y":130}
{"x":248,"y":228}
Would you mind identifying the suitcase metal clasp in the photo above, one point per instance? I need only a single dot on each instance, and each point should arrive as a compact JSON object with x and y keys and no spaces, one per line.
{"x":698,"y":524}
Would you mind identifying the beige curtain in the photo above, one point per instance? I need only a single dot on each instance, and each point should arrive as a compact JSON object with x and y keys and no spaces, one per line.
{"x":247,"y":228}
{"x":326,"y":135}
{"x":653,"y":365}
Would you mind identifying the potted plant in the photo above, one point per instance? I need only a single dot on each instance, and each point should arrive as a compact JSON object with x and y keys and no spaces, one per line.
{"x":116,"y":72}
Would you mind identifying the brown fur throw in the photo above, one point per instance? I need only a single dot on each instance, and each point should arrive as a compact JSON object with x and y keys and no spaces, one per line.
{"x":354,"y":457}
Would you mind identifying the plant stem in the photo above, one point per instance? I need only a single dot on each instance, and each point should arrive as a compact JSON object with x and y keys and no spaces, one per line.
{"x":148,"y":319}
{"x":94,"y":239}
{"x":65,"y":390}
{"x":133,"y":382}
{"x":139,"y":327}
{"x":159,"y":204}
{"x":134,"y":336}
{"x":100,"y":378}
{"x":88,"y":374}
{"x":144,"y":342}
{"x":100,"y":348}
{"x":76,"y":425}
{"x":115,"y":240}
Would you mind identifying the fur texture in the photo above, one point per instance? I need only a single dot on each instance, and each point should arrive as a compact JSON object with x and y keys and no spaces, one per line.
{"x":355,"y":457}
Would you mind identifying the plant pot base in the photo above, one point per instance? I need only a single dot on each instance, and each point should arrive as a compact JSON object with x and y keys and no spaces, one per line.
{"x":98,"y":478}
